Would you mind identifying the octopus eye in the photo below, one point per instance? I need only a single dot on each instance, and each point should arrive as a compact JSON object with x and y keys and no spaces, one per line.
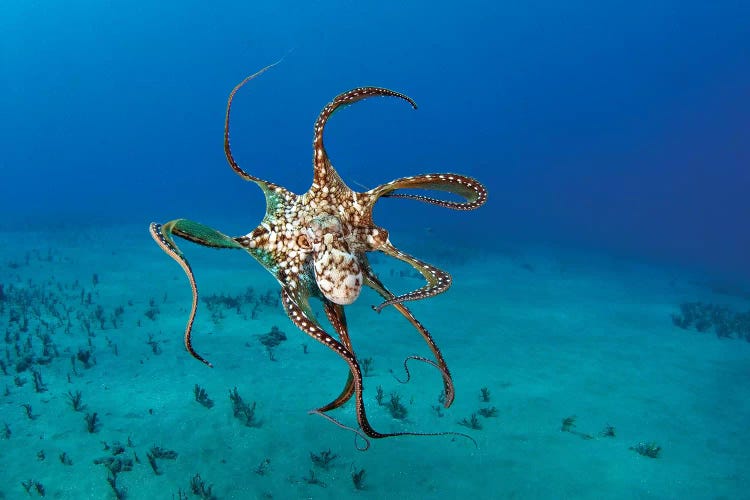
{"x":303,"y":242}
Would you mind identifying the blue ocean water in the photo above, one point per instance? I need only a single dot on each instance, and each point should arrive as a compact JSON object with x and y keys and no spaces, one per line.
{"x":606,"y":280}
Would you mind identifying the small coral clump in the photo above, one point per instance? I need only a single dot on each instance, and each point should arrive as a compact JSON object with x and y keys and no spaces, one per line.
{"x":650,"y":450}
{"x":703,"y":317}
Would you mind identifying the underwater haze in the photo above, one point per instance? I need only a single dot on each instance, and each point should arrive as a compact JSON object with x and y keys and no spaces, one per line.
{"x":597,"y":329}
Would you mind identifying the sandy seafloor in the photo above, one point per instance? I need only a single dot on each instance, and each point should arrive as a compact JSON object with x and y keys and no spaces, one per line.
{"x":550,"y":333}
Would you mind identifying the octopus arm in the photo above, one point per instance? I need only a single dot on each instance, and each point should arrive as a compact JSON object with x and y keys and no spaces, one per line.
{"x":473,"y":192}
{"x":438,"y":280}
{"x":197,"y":233}
{"x":298,"y":309}
{"x":337,"y":318}
{"x":271,"y":190}
{"x":374,"y":282}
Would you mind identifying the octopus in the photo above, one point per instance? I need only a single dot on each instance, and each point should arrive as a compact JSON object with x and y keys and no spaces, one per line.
{"x":316,"y":245}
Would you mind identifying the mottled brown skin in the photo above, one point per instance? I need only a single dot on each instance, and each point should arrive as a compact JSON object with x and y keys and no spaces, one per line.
{"x":316,"y":245}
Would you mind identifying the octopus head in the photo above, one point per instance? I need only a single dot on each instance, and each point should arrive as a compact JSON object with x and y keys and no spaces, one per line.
{"x":337,"y":271}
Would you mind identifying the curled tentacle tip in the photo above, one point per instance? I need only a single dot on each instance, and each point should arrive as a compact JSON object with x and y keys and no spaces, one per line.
{"x":364,"y":448}
{"x":382,"y":306}
{"x":204,"y":361}
{"x":461,"y":434}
